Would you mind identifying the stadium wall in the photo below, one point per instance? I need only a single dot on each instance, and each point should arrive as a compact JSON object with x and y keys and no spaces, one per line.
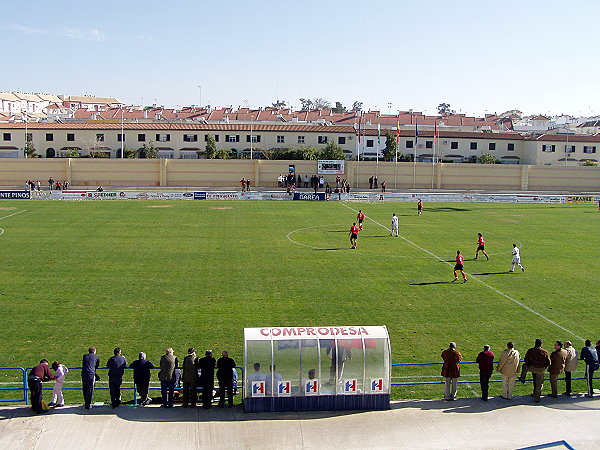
{"x":227,"y":173}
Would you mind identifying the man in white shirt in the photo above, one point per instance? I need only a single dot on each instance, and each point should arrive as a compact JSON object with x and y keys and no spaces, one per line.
{"x":273,"y":379}
{"x":516,"y":259}
{"x":394,"y":225}
{"x":257,"y":375}
{"x":570,"y":365}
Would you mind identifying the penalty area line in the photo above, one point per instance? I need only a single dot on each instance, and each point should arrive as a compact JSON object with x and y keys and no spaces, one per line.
{"x":517,"y":302}
{"x":13,"y":214}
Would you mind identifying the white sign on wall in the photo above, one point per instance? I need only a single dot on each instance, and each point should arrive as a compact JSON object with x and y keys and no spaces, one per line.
{"x":330,"y":167}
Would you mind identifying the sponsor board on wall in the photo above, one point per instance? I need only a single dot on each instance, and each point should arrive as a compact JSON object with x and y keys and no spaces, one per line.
{"x":42,"y":194}
{"x":199,"y":195}
{"x":309,"y":196}
{"x":222,"y":195}
{"x":585,"y":199}
{"x":15,"y":195}
{"x":330,"y":167}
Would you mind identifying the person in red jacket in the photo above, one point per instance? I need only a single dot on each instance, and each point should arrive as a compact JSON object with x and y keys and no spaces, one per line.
{"x":451,"y":371}
{"x":481,"y":246}
{"x":485,"y":359}
{"x":37,"y":376}
{"x":459,"y":266}
{"x":353,"y":235}
{"x":360,"y":217}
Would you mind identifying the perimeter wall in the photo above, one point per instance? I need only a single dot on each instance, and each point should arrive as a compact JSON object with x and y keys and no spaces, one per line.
{"x":264,"y":173}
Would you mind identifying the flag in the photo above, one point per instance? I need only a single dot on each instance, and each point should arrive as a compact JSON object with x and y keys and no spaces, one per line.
{"x":398,"y":131}
{"x":378,"y":134}
{"x":435,"y":133}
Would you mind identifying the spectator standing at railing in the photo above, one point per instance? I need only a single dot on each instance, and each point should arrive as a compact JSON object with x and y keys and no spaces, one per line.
{"x":116,"y":368}
{"x":168,"y":363}
{"x":508,"y":366}
{"x":485,"y":359}
{"x":207,"y":378}
{"x":57,"y":395}
{"x":37,"y":376}
{"x":88,"y":375}
{"x":537,"y":360}
{"x":190,"y":379}
{"x":590,"y":355}
{"x":225,"y":366}
{"x":451,"y":371}
{"x":141,"y":377}
{"x":570,"y":365}
{"x":558,"y":358}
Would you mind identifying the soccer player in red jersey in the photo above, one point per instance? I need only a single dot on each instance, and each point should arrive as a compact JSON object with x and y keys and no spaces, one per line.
{"x":353,"y":234}
{"x":459,"y":266}
{"x":481,"y":246}
{"x":360,"y":217}
{"x":420,"y":207}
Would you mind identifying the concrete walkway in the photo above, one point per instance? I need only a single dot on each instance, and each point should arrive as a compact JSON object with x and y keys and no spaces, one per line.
{"x":465,"y":423}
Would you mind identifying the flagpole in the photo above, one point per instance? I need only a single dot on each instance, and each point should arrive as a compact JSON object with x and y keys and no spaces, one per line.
{"x":377,"y":153}
{"x":415,"y":154}
{"x":397,"y":145}
{"x":433,"y":152}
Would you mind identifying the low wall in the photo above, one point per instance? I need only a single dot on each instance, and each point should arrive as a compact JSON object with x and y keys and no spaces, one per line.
{"x":264,"y":173}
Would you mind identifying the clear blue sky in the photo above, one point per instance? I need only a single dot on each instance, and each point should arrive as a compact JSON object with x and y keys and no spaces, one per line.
{"x":537,"y":56}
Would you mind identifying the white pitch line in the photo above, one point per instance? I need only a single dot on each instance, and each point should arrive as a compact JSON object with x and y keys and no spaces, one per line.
{"x":477,"y":279}
{"x":13,"y":214}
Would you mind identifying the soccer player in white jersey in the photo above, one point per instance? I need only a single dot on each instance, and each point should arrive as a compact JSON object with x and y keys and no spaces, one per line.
{"x":394,"y":225}
{"x":516,"y":258}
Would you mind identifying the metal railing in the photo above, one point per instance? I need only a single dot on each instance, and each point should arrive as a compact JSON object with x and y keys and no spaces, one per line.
{"x":21,"y":385}
{"x":425,"y":383}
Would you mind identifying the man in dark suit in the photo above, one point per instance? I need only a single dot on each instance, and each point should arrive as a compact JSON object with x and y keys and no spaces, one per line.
{"x":116,"y":367}
{"x":225,"y":366}
{"x":88,"y":375}
{"x":207,"y":378}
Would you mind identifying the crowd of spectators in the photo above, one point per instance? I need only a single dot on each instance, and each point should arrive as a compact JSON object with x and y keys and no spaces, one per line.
{"x":537,"y":360}
{"x":52,"y":185}
{"x":193,"y":374}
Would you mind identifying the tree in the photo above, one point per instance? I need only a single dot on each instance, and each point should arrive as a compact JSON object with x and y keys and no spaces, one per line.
{"x":211,"y":147}
{"x":444,"y":109}
{"x":223,"y":153}
{"x":309,"y":153}
{"x":389,"y":152}
{"x":307,"y":104}
{"x":339,"y":108}
{"x":590,"y":163}
{"x":332,"y":151}
{"x":321,"y":103}
{"x":97,"y":154}
{"x":357,"y":106}
{"x":130,"y":153}
{"x":279,"y":104}
{"x":30,"y":150}
{"x":72,"y":153}
{"x":150,"y":151}
{"x":486,"y":158}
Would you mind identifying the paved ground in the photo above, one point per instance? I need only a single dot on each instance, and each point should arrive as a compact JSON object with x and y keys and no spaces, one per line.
{"x":465,"y":423}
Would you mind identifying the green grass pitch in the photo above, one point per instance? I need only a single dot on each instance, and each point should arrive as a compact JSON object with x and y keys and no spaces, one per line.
{"x":145,"y":275}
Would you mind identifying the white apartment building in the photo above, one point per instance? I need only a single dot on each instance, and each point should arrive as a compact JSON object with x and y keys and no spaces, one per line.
{"x":185,"y":140}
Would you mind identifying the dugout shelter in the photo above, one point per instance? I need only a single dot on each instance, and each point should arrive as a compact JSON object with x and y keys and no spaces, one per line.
{"x":316,"y":368}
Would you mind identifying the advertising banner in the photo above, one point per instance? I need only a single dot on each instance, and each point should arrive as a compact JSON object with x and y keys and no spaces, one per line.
{"x":199,"y":195}
{"x":222,"y":196}
{"x":15,"y":195}
{"x":330,"y":167}
{"x":308,"y":196}
{"x":585,"y":199}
